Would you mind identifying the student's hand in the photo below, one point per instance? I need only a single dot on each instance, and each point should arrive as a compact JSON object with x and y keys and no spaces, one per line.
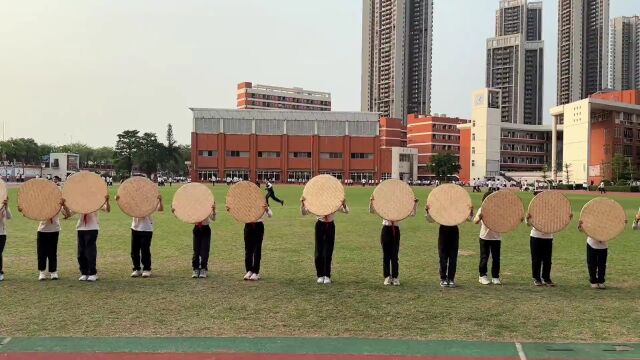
{"x":415,"y":200}
{"x":302,"y":199}
{"x":62,"y":202}
{"x":227,"y":208}
{"x":580,"y":225}
{"x":471,"y":210}
{"x":173,"y":210}
{"x":344,"y":203}
{"x":480,"y":217}
{"x":106,"y":198}
{"x":5,"y":203}
{"x":159,"y":197}
{"x":427,"y":208}
{"x":19,"y":208}
{"x":117,"y":197}
{"x":529,"y":216}
{"x":371,"y":198}
{"x":570,"y":216}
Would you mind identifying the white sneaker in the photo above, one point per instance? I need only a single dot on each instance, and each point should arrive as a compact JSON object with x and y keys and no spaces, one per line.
{"x":496,"y":281}
{"x":92,"y":278}
{"x":83,"y":278}
{"x":327,"y":280}
{"x":54,"y":276}
{"x":320,"y":280}
{"x":484,"y":280}
{"x":203,"y":274}
{"x":136,"y":273}
{"x":452,"y":284}
{"x":247,"y":276}
{"x":42,"y":276}
{"x":602,"y":286}
{"x":146,"y":274}
{"x":595,"y":286}
{"x":196,"y":274}
{"x":255,"y":277}
{"x":444,"y":283}
{"x":1,"y":277}
{"x":387,"y":280}
{"x":395,"y":282}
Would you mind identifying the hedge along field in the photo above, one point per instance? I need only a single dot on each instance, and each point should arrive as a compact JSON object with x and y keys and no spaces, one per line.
{"x":288,"y":302}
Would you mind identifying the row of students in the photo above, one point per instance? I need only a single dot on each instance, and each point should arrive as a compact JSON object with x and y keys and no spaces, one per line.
{"x":541,"y":246}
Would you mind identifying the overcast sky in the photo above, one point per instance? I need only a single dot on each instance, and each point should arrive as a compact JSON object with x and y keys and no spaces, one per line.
{"x":84,"y":70}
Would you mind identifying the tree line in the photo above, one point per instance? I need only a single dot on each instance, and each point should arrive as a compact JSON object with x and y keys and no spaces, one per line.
{"x":133,"y":152}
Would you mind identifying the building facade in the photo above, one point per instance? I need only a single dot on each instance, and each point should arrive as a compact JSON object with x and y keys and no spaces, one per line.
{"x":293,"y":145}
{"x":624,"y":53}
{"x":432,"y":135}
{"x":397,"y":41}
{"x":595,"y":130}
{"x":515,"y":61}
{"x":264,"y":97}
{"x":583,"y":45}
{"x":494,"y":147}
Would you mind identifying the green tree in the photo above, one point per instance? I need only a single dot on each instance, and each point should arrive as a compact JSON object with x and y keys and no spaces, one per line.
{"x":125,"y":151}
{"x":149,"y":153}
{"x":444,"y":165}
{"x":172,"y":158}
{"x":619,"y":167}
{"x":567,"y":167}
{"x":545,"y":173}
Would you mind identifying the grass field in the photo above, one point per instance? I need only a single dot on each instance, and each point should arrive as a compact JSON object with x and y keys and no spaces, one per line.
{"x":287,"y":302}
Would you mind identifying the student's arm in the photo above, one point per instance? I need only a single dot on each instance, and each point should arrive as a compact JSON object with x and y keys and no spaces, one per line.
{"x":66,"y":213}
{"x":478,"y":217}
{"x":344,"y":208}
{"x":371,"y":209}
{"x":427,"y":215}
{"x":527,"y":220}
{"x":213,"y":212}
{"x":580,"y":226}
{"x":7,"y":211}
{"x":160,"y":204}
{"x":107,"y":205}
{"x":303,"y":209}
{"x":415,"y":208}
{"x":470,"y":218}
{"x":267,"y":210}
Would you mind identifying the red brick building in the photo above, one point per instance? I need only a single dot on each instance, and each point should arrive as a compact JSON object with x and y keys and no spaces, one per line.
{"x":431,"y":135}
{"x":265,"y":97}
{"x":288,"y":145}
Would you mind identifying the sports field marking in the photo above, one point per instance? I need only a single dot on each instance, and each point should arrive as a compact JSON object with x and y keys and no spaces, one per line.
{"x":521,"y":353}
{"x":5,"y":341}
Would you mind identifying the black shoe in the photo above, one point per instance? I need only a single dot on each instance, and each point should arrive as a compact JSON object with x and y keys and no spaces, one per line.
{"x":549,"y":283}
{"x":282,"y":202}
{"x":444,"y":283}
{"x":537,"y":282}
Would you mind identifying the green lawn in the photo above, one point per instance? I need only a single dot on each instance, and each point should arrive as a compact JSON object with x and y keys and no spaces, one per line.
{"x":287,"y":302}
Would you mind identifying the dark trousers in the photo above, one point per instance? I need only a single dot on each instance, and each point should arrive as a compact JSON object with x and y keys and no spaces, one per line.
{"x":253,"y":235}
{"x":47,"y":247}
{"x":390,"y":241}
{"x":3,"y":241}
{"x":201,"y":247}
{"x":141,"y":249}
{"x":87,"y":251}
{"x":271,"y":194}
{"x":448,"y":244}
{"x":597,"y":264}
{"x":541,"y":250}
{"x":490,"y":248}
{"x":325,"y":241}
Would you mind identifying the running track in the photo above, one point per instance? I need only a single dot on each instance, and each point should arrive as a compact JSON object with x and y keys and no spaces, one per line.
{"x":298,"y":348}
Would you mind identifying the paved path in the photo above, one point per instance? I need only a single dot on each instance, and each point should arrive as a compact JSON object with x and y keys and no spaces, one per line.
{"x":95,"y":348}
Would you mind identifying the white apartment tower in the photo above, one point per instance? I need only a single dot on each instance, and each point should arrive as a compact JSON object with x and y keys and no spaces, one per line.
{"x":624,"y":53}
{"x":515,"y":61}
{"x":396,"y":57}
{"x":583,"y":45}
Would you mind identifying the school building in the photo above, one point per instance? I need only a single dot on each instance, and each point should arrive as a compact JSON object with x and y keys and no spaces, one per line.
{"x":297,"y":145}
{"x":594,"y":130}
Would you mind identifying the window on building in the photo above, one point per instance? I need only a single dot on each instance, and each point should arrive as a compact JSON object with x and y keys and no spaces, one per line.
{"x":268,"y":154}
{"x":361,"y":156}
{"x":473,"y":137}
{"x":237,"y":174}
{"x":336,"y":174}
{"x":208,"y":153}
{"x":330,"y":155}
{"x":300,"y":154}
{"x":628,"y":133}
{"x":618,"y":133}
{"x":207,"y":174}
{"x":473,"y":150}
{"x":234,"y":153}
{"x":405,"y":157}
{"x":358,"y":176}
{"x":628,"y":151}
{"x":270,"y":175}
{"x":386,"y":176}
{"x":299,"y":175}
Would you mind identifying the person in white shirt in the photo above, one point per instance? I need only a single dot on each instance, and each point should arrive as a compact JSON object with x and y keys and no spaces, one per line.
{"x":541,"y":245}
{"x":253,"y":237}
{"x":364,"y":182}
{"x":141,"y":236}
{"x":271,"y":194}
{"x":325,"y":238}
{"x":601,"y":188}
{"x":390,"y":242}
{"x":490,"y":244}
{"x":448,"y":245}
{"x":87,"y":228}
{"x":202,"y":245}
{"x":5,"y":214}
{"x":47,"y":244}
{"x":597,"y":252}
